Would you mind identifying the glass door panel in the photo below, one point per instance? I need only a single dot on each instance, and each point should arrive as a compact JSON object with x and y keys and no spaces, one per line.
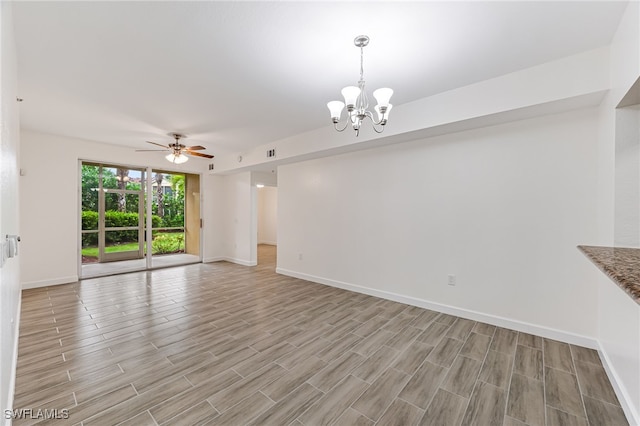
{"x":90,"y":215}
{"x":121,"y":213}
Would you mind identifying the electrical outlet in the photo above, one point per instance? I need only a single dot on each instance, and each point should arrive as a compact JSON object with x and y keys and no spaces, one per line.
{"x":451,"y":279}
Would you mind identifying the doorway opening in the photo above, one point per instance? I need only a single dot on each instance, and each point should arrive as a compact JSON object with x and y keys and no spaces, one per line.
{"x":135,"y":218}
{"x":267,"y":218}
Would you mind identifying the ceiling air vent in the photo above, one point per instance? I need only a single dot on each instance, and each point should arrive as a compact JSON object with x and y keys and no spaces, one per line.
{"x":271,"y":153}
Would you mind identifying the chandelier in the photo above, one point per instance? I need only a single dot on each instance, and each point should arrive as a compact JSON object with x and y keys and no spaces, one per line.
{"x":357,"y":103}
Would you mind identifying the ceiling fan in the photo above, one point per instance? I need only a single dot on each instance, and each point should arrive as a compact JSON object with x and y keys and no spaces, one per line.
{"x":178,"y":151}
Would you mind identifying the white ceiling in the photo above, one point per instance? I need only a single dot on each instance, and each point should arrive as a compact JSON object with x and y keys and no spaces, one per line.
{"x":234,"y":75}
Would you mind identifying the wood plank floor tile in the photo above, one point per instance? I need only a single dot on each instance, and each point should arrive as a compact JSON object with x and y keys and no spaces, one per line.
{"x":235,"y":393}
{"x":594,"y":382}
{"x":375,"y":400}
{"x":486,"y":406}
{"x":556,"y":417}
{"x":504,"y":341}
{"x":120,"y":412}
{"x":603,"y":413}
{"x":462,"y":376}
{"x":194,"y":396}
{"x":401,"y":413}
{"x":244,"y":412}
{"x":424,"y":384}
{"x":528,"y":362}
{"x":558,"y":355}
{"x":352,"y":418}
{"x":331,"y":406}
{"x":328,"y":377}
{"x":526,"y":400}
{"x":529,"y":340}
{"x":585,"y":355}
{"x":445,"y":352}
{"x":197,"y":415}
{"x":445,"y":409}
{"x":376,"y":364}
{"x":412,"y":357}
{"x":496,"y":369}
{"x":94,"y":406}
{"x":433,"y":333}
{"x":476,"y":346}
{"x":288,"y":409}
{"x":403,"y":338}
{"x":295,"y":377}
{"x":460,"y":329}
{"x":484,"y":329}
{"x":142,"y":419}
{"x":368,"y":345}
{"x":562,"y":392}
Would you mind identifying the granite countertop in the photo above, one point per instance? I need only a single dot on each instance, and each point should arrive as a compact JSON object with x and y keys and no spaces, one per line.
{"x":621,"y":264}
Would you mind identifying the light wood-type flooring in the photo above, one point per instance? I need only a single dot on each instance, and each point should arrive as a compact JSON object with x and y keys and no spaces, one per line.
{"x":226,"y":344}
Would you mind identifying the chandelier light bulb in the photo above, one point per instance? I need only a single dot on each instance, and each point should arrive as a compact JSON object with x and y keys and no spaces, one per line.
{"x":383,"y":115}
{"x":335,"y":108}
{"x":350,"y":94}
{"x":383,"y":96}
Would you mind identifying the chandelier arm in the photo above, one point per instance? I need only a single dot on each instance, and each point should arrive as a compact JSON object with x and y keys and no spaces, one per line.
{"x":335,"y":126}
{"x":373,"y":120}
{"x":376,"y":129}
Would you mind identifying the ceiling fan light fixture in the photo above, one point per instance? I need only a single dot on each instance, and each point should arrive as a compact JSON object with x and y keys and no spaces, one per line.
{"x":177,"y":158}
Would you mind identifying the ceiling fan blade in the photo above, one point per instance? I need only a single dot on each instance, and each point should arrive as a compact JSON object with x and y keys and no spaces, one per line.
{"x":195,"y":148}
{"x":164,"y":146}
{"x":197,"y":154}
{"x":152,"y":150}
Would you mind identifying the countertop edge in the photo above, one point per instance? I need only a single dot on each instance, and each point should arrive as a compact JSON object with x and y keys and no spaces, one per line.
{"x":620,"y":264}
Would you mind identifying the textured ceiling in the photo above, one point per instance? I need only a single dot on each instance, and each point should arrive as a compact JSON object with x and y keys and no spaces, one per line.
{"x":233,"y":75}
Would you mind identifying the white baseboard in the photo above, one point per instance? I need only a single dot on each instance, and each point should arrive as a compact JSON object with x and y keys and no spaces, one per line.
{"x":621,"y":392}
{"x":213,"y":259}
{"x":240,"y":261}
{"x":499,"y":321}
{"x":47,"y":283}
{"x":229,"y":259}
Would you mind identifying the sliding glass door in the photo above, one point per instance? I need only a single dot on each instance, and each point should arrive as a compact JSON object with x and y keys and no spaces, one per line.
{"x":137,"y":218}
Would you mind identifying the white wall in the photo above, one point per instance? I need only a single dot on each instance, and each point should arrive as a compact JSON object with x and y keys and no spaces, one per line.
{"x":213,"y":217}
{"x":9,"y":218}
{"x":240,"y":220}
{"x":627,"y":177}
{"x":502,"y":208}
{"x":268,"y":215}
{"x":49,"y":206}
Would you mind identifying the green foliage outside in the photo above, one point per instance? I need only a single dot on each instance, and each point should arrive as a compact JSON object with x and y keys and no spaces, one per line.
{"x":163,"y":243}
{"x":113,"y":219}
{"x":167,"y":243}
